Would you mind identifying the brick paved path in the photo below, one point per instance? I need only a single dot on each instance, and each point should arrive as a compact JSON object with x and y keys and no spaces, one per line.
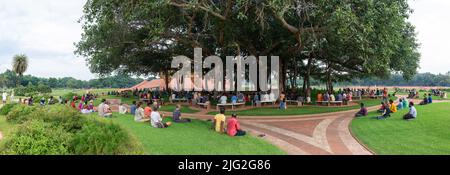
{"x":318,"y":134}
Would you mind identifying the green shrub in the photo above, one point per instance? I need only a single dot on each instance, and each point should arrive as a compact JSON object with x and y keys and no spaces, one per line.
{"x":59,"y":115}
{"x":69,"y":96}
{"x":37,"y":138}
{"x":20,"y":114}
{"x":7,"y":108}
{"x":104,"y":138}
{"x":86,"y":135}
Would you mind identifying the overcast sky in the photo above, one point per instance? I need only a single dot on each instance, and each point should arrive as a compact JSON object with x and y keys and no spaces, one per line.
{"x":46,"y":31}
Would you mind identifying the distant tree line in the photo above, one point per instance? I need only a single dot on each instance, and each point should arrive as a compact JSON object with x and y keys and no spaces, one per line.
{"x":422,"y":79}
{"x":8,"y":79}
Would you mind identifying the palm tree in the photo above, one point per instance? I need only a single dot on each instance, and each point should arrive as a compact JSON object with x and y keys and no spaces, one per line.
{"x":20,"y":65}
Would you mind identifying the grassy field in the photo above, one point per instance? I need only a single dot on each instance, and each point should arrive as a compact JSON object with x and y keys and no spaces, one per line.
{"x":428,"y":134}
{"x":194,"y":138}
{"x":61,"y":92}
{"x":298,"y":110}
{"x":5,"y":127}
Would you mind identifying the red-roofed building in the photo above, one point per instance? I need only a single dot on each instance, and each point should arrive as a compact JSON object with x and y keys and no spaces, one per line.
{"x":157,"y":84}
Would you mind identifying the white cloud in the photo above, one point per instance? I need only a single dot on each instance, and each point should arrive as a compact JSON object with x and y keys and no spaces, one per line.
{"x":45,"y":30}
{"x":431,"y":19}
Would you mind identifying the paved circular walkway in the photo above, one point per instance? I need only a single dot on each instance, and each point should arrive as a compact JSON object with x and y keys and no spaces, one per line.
{"x":318,"y":134}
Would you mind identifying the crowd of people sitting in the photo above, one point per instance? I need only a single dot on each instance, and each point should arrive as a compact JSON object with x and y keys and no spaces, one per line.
{"x":389,"y":107}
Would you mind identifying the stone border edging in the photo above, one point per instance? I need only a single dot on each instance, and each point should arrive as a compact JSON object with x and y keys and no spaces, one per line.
{"x":359,"y":141}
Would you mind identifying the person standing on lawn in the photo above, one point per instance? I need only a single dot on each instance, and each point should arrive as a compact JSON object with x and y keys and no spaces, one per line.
{"x":233,"y":127}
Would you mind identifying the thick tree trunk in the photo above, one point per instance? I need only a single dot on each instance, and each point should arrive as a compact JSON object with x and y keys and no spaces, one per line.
{"x":306,"y":79}
{"x":283,"y":75}
{"x":166,"y":80}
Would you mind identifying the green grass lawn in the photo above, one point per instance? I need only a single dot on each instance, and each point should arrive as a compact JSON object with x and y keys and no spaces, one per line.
{"x":428,"y":134}
{"x":184,"y":109}
{"x":61,"y":92}
{"x":298,"y":110}
{"x":194,"y":138}
{"x":129,"y":101}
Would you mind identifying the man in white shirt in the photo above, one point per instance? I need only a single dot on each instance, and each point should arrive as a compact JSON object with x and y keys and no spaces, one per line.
{"x":412,"y":114}
{"x":156,"y":120}
{"x":122,"y":109}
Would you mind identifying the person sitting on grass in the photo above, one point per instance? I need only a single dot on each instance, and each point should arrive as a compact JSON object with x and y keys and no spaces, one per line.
{"x":392,"y":106}
{"x":400,"y":104}
{"x":80,"y":105}
{"x":177,"y":116}
{"x":73,"y":105}
{"x":382,"y":107}
{"x":139,"y":114}
{"x":133,"y":108}
{"x":42,"y":101}
{"x":362,"y":112}
{"x":91,"y":105}
{"x":122,"y":109}
{"x":412,"y":114}
{"x":219,"y":121}
{"x":107,"y":112}
{"x":86,"y":110}
{"x":425,"y":100}
{"x":233,"y":127}
{"x":430,"y":99}
{"x":405,"y":102}
{"x":386,"y":112}
{"x":156,"y":121}
{"x":148,"y":110}
{"x":100,"y":108}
